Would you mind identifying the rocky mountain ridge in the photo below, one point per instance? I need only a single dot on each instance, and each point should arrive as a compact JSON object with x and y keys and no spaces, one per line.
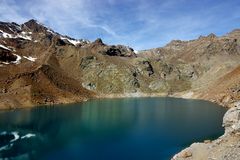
{"x":73,"y":70}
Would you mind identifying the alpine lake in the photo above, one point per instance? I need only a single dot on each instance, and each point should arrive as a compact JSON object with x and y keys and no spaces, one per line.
{"x":109,"y":129}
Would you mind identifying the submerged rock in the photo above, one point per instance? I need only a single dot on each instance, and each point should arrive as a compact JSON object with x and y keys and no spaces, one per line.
{"x":5,"y":138}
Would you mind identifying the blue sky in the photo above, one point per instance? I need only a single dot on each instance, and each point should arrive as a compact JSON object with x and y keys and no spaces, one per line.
{"x":141,"y":24}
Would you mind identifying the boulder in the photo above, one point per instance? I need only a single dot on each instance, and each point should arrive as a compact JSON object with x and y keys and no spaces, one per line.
{"x":89,"y":85}
{"x":5,"y":138}
{"x":116,"y":50}
{"x":113,"y":51}
{"x":231,"y":120}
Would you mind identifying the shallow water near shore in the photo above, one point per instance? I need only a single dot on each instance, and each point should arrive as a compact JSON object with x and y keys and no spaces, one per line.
{"x":109,"y":129}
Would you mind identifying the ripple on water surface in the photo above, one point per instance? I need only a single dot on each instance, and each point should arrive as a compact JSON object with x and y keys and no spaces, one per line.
{"x":130,"y":128}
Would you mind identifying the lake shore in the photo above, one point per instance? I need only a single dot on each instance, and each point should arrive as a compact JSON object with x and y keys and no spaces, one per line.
{"x":226,"y":147}
{"x":212,"y":150}
{"x":229,"y":142}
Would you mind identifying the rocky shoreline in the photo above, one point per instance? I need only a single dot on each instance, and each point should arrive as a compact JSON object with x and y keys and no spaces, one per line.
{"x":208,"y":150}
{"x":226,"y":147}
{"x":211,"y":150}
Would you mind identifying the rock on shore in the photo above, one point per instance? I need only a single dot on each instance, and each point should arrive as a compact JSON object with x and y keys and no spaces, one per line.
{"x":226,"y":147}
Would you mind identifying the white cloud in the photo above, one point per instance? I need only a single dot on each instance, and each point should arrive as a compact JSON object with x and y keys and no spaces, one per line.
{"x":66,"y":13}
{"x":61,"y":13}
{"x":9,"y":11}
{"x":138,"y":23}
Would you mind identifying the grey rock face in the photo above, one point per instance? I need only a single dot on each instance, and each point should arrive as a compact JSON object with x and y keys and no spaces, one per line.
{"x":145,"y":68}
{"x":89,"y":86}
{"x":231,"y":120}
{"x":157,"y":85}
{"x":114,"y":50}
{"x":86,"y":61}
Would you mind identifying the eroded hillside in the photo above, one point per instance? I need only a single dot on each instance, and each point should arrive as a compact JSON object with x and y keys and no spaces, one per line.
{"x":39,"y":66}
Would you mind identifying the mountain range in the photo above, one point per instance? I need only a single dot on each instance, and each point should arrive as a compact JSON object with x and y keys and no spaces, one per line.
{"x":39,"y":66}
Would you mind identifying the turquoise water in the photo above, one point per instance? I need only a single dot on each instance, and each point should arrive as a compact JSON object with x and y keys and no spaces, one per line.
{"x":109,"y":129}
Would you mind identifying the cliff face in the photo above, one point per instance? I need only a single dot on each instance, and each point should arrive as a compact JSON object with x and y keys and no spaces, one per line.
{"x":40,"y":66}
{"x":210,"y":64}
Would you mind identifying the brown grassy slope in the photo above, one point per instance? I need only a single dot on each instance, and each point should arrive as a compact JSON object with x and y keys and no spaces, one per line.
{"x":65,"y":73}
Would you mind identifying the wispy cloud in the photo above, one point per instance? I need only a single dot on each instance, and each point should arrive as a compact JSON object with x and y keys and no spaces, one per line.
{"x":139,"y":23}
{"x":9,"y":11}
{"x":66,"y":13}
{"x":61,"y":14}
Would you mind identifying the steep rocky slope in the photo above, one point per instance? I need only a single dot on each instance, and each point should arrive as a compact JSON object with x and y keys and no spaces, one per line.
{"x":40,"y":66}
{"x":209,"y":64}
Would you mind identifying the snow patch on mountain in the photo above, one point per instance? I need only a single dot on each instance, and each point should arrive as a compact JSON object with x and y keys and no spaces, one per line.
{"x":75,"y":42}
{"x":5,"y":35}
{"x":135,"y":51}
{"x":30,"y":58}
{"x":23,"y":35}
{"x":51,"y":31}
{"x":18,"y":59}
{"x":4,"y":47}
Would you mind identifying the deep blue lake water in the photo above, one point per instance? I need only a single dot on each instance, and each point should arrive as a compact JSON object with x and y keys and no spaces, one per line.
{"x":109,"y":129}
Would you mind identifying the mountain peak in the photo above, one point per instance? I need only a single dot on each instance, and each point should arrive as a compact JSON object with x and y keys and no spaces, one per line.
{"x":9,"y":27}
{"x":32,"y":21}
{"x":234,"y":33}
{"x":211,"y":35}
{"x":34,"y":25}
{"x":98,"y":40}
